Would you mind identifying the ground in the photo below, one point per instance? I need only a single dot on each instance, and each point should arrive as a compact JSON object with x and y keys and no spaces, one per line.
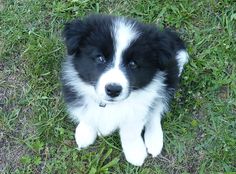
{"x":36,"y":135}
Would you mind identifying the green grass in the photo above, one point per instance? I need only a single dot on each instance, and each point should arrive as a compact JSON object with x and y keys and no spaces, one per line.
{"x":36,"y":135}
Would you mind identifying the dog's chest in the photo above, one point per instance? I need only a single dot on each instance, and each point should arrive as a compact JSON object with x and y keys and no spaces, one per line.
{"x":109,"y":118}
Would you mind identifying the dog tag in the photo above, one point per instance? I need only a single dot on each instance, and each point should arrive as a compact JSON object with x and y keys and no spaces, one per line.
{"x":102,"y":105}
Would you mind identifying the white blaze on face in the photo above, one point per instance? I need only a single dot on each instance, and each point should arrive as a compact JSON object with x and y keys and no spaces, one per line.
{"x":123,"y":33}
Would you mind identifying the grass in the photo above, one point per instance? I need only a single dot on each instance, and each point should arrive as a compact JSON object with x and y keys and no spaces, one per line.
{"x":36,"y":135}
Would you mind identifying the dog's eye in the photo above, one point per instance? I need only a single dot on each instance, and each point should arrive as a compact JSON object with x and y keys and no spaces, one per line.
{"x":132,"y":65}
{"x":100,"y":59}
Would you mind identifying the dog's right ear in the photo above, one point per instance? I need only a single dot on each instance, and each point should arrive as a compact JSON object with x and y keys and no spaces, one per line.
{"x":73,"y":33}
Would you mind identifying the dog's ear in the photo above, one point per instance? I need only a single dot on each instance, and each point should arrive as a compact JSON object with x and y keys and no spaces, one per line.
{"x":73,"y":33}
{"x":169,"y":44}
{"x":174,"y":39}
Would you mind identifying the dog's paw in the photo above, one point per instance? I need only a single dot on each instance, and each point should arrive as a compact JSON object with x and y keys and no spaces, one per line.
{"x":154,"y":142}
{"x":85,"y":135}
{"x":135,"y":154}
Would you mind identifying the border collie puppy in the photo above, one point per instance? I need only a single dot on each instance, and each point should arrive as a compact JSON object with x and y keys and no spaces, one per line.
{"x":120,"y":74}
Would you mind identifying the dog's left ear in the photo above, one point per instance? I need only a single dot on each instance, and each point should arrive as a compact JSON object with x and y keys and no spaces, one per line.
{"x":73,"y":33}
{"x":169,"y":44}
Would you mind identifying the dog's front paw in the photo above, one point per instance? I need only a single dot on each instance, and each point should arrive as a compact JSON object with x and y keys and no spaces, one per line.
{"x":135,"y":154}
{"x":85,"y":135}
{"x":154,"y":142}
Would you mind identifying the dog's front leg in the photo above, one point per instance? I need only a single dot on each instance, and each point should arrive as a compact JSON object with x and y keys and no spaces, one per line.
{"x":132,"y":143}
{"x":85,"y":135}
{"x":154,"y":135}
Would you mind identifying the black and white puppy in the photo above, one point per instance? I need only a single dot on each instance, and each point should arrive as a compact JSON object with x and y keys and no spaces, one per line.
{"x":120,"y":74}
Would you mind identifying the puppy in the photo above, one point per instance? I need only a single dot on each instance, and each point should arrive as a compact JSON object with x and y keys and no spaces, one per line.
{"x":120,"y":74}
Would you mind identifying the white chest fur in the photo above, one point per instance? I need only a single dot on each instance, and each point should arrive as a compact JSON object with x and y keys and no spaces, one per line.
{"x":132,"y":110}
{"x":107,"y":119}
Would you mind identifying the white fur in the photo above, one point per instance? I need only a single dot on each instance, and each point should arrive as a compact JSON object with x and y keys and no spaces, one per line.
{"x":132,"y":142}
{"x":123,"y":33}
{"x":129,"y":115}
{"x":182,"y":58}
{"x":85,"y":135}
{"x":107,"y":119}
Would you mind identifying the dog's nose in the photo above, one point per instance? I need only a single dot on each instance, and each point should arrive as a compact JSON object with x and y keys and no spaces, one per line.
{"x":113,"y":89}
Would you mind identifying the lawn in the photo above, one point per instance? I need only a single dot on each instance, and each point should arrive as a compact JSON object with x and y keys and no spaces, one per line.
{"x":37,"y":137}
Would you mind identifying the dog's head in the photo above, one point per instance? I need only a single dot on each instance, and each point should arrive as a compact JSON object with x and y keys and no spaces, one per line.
{"x":116,"y":56}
